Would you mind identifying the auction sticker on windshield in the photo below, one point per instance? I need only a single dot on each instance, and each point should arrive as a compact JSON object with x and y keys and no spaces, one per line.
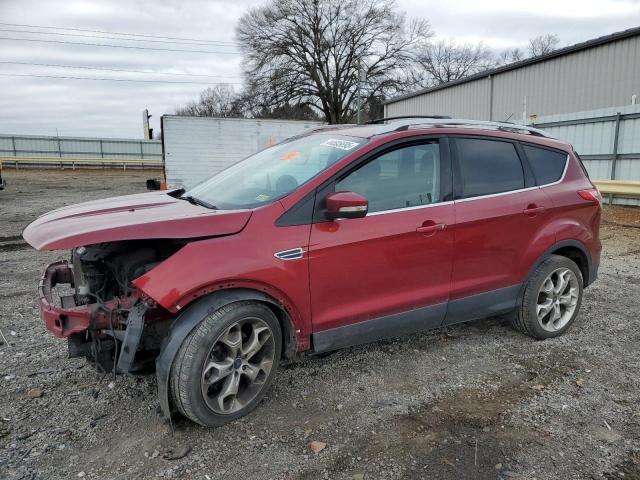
{"x":341,"y":144}
{"x":290,"y":155}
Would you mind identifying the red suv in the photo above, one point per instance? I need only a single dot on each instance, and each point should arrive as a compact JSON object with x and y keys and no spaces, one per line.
{"x":341,"y":236}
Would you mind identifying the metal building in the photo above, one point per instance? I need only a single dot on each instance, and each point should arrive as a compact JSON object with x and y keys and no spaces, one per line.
{"x":603,"y":72}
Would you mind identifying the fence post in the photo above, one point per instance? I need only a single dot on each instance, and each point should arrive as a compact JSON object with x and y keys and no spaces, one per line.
{"x":59,"y":148}
{"x":614,"y":156}
{"x":15,"y":152}
{"x":101,"y":150}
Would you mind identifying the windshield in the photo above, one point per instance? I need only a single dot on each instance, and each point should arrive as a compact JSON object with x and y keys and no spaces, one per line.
{"x":274,"y":172}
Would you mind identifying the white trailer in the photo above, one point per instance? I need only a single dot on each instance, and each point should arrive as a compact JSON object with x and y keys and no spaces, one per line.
{"x":194,"y":148}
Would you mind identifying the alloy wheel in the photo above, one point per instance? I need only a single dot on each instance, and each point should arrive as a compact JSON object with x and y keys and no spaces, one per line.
{"x":238,"y":365}
{"x":557,"y":299}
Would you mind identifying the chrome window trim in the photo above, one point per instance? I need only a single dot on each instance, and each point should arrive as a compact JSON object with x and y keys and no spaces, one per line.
{"x":404,"y":209}
{"x":499,"y":194}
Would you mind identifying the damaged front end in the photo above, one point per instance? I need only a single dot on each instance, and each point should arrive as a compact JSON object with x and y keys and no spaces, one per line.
{"x":105,"y":318}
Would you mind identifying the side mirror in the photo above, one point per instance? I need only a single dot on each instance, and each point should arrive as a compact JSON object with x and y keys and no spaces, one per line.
{"x":346,"y":205}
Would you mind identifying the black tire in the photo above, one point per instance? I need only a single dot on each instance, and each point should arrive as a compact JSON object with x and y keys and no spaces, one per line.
{"x":188,"y":369}
{"x":526,"y":318}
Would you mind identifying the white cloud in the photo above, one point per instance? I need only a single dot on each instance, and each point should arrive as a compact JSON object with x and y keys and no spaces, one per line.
{"x":96,"y":108}
{"x":508,"y":23}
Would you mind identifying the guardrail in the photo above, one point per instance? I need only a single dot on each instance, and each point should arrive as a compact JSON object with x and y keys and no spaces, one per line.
{"x":618,"y":187}
{"x":80,"y":162}
{"x":73,"y":147}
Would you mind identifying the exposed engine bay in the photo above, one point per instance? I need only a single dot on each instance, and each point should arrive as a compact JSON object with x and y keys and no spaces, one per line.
{"x":125,"y":327}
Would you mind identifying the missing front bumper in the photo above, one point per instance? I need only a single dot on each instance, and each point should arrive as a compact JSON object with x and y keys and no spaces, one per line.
{"x":62,"y":321}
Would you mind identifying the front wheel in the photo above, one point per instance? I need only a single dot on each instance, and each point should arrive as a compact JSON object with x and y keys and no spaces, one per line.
{"x":226,"y":364}
{"x":551,"y":299}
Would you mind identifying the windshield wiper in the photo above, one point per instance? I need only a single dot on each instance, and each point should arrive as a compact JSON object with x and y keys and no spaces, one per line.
{"x":197,"y":201}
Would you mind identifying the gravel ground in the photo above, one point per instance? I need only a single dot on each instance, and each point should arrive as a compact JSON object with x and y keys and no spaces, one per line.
{"x":475,"y":401}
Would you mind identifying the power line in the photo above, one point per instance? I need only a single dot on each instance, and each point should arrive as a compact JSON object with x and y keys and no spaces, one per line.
{"x":114,"y":33}
{"x":84,"y":67}
{"x":114,"y":79}
{"x":12,"y":30}
{"x":116,"y":46}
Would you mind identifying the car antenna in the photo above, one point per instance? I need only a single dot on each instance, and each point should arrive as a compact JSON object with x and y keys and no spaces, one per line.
{"x":508,"y":118}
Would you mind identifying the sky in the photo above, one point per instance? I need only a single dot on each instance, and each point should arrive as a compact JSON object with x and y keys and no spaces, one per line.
{"x":65,"y":106}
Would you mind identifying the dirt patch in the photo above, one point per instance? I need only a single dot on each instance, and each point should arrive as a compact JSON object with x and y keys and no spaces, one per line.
{"x":11,"y":246}
{"x":621,"y":215}
{"x":465,"y":433}
{"x":11,"y":238}
{"x":629,"y":469}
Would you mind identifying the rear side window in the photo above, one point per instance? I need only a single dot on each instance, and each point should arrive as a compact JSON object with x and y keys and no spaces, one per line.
{"x":488,"y":166}
{"x":547,"y":165}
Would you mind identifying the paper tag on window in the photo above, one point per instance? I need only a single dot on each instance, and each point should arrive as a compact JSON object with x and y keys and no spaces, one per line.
{"x":290,"y":155}
{"x":341,"y":144}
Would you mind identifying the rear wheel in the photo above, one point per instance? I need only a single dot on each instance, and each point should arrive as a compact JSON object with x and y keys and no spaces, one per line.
{"x":226,"y":364}
{"x":551,"y":299}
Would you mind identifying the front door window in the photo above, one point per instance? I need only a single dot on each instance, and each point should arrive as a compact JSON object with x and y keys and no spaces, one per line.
{"x":402,"y":178}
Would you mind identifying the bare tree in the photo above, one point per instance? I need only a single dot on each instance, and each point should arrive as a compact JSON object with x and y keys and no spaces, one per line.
{"x":310,"y":52}
{"x":510,"y":56}
{"x":218,"y":101}
{"x":540,"y":45}
{"x":445,"y":60}
{"x":288,"y":112}
{"x":543,"y":44}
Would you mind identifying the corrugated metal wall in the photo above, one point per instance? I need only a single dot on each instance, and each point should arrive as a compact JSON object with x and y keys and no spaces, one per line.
{"x":471,"y":101}
{"x":597,"y":77}
{"x":78,"y":147}
{"x":592,"y":134}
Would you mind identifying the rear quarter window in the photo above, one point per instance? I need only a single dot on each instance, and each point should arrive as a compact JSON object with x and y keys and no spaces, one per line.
{"x":581,"y":163}
{"x":547,"y":165}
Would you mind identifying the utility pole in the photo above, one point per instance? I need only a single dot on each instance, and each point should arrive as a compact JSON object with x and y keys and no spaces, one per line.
{"x":361,"y":75}
{"x":147,"y":132}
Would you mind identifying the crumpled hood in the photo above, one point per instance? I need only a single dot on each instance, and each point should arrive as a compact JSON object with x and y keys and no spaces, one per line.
{"x":131,"y":217}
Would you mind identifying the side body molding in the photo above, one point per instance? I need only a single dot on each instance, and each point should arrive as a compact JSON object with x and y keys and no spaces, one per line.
{"x":185,"y":323}
{"x":483,"y":305}
{"x":405,"y":323}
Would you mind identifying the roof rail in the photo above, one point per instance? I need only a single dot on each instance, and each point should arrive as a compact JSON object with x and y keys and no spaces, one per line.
{"x":433,"y":122}
{"x":386,"y":119}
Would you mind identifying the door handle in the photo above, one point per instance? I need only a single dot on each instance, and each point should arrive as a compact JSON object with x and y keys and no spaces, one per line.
{"x":430,"y":228}
{"x":533,"y":210}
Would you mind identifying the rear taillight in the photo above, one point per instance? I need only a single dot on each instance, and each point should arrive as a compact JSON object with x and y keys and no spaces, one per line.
{"x":591,"y":195}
